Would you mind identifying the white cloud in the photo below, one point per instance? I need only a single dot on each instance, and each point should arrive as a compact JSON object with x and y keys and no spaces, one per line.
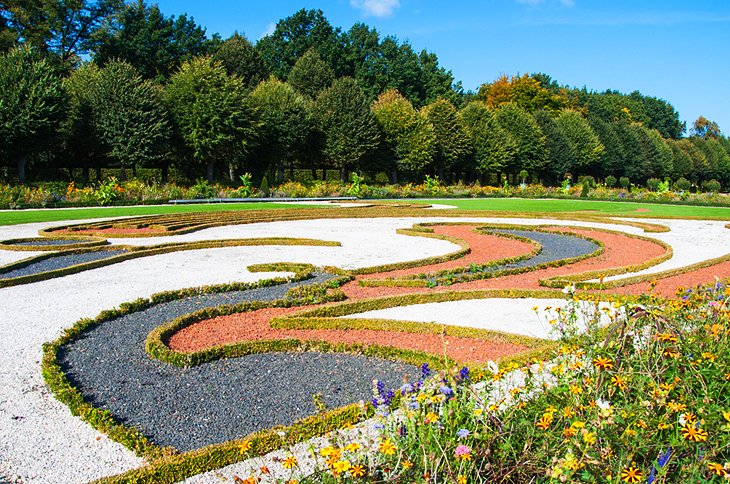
{"x":376,"y":8}
{"x":270,"y":27}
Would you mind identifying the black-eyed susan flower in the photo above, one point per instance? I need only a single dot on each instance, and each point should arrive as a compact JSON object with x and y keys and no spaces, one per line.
{"x":694,"y":433}
{"x":603,"y":363}
{"x":357,"y":470}
{"x":667,"y":338}
{"x":632,"y":474}
{"x":718,"y":469}
{"x":290,"y":462}
{"x":619,"y":381}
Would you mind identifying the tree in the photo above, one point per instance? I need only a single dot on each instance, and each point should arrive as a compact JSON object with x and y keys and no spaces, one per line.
{"x":529,"y":139}
{"x":697,"y":157}
{"x":128,"y":116}
{"x":343,"y":114}
{"x":60,"y":27}
{"x":438,"y":82}
{"x":704,"y":128}
{"x":242,"y":59}
{"x":493,"y":148}
{"x":285,"y":116}
{"x":8,"y":37}
{"x":585,"y":147}
{"x":559,"y":150}
{"x":523,"y":91}
{"x":82,"y":147}
{"x":310,"y":75}
{"x":154,"y":44}
{"x":32,"y":106}
{"x":452,"y":139}
{"x":294,"y":36}
{"x":613,"y":153}
{"x":212,"y":114}
{"x":408,"y":135}
{"x":681,"y":161}
{"x":393,"y":66}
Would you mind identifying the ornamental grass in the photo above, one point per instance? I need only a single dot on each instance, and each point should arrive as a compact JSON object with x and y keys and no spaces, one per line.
{"x":645,"y":399}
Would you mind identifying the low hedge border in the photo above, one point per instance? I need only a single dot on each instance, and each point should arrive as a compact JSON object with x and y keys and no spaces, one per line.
{"x":580,"y":279}
{"x":83,"y":242}
{"x":417,"y":280}
{"x":462,"y":274}
{"x":134,"y":252}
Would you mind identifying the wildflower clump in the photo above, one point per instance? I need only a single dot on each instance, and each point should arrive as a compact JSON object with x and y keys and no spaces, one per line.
{"x":645,"y":398}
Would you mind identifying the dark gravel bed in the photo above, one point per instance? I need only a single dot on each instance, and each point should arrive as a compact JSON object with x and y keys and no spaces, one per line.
{"x":188,"y":408}
{"x":43,"y":241}
{"x":555,"y":247}
{"x":60,"y":261}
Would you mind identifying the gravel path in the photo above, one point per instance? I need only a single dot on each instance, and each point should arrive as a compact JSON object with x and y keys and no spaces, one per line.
{"x":60,"y":261}
{"x":46,"y":241}
{"x":188,"y":408}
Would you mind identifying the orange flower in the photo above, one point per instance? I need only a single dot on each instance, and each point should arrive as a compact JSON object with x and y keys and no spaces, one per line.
{"x":693,"y":433}
{"x":603,"y":363}
{"x":666,"y":337}
{"x":387,"y":447}
{"x":632,"y":474}
{"x":357,"y":470}
{"x":619,"y":381}
{"x":545,"y":421}
{"x":718,"y":469}
{"x":290,"y":462}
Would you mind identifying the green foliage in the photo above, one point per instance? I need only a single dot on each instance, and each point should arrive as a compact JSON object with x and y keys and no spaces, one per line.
{"x":683,"y":184}
{"x":154,"y":44}
{"x":109,"y":191}
{"x":493,"y":148}
{"x":407,"y":134}
{"x":212,"y":114}
{"x":342,"y":113}
{"x":32,"y":105}
{"x":624,"y":182}
{"x":652,"y":184}
{"x":611,"y":181}
{"x":704,"y":128}
{"x":242,"y":59}
{"x":245,"y":189}
{"x":585,"y":147}
{"x":452,"y":139}
{"x":202,"y":189}
{"x":527,"y":136}
{"x":311,"y":75}
{"x":558,"y":147}
{"x":264,"y":188}
{"x":712,"y":186}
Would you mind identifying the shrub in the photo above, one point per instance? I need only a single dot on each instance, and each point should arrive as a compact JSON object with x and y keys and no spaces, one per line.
{"x":652,"y":184}
{"x":683,"y":184}
{"x":585,"y":188}
{"x":591,"y":181}
{"x":711,"y":186}
{"x":611,"y":181}
{"x":265,"y":186}
{"x":624,"y":182}
{"x":109,"y":191}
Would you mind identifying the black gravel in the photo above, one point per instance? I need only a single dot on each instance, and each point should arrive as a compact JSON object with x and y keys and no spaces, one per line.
{"x":188,"y":408}
{"x":555,"y":247}
{"x":60,"y":261}
{"x":42,"y":241}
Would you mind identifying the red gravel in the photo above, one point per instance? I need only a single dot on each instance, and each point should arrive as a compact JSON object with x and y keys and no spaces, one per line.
{"x":254,"y":325}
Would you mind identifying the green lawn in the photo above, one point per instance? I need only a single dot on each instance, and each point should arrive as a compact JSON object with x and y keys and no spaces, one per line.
{"x":12,"y":217}
{"x":584,"y":206}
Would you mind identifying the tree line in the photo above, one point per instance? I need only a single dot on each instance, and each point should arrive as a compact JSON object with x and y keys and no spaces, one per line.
{"x":158,"y":92}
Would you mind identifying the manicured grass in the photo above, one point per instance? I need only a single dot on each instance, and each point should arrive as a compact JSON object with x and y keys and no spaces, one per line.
{"x":12,"y":217}
{"x":583,"y":206}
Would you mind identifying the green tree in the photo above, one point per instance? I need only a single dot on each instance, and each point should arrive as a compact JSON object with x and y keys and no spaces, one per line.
{"x":8,"y":37}
{"x":613,"y":154}
{"x":681,"y":161}
{"x":493,"y":148}
{"x":408,"y":135}
{"x":524,"y":91}
{"x":311,"y":75}
{"x":82,"y":148}
{"x":32,"y":106}
{"x":60,"y":27}
{"x":294,"y":36}
{"x":393,"y":66}
{"x":286,"y":122}
{"x":697,"y":157}
{"x":585,"y":147}
{"x":559,"y":150}
{"x":437,"y":81}
{"x":530,"y":154}
{"x":342,"y":112}
{"x":242,"y":59}
{"x":128,"y":116}
{"x":452,"y":139}
{"x":154,"y":44}
{"x":212,"y":113}
{"x":704,"y":128}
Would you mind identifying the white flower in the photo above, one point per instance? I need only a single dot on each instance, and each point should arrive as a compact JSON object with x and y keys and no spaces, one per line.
{"x":493,"y":367}
{"x":603,"y":404}
{"x":569,"y":289}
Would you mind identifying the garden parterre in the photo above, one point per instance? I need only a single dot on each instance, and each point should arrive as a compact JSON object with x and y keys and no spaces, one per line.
{"x":168,"y":272}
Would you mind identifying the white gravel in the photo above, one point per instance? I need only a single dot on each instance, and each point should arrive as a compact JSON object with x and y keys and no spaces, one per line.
{"x":41,"y":442}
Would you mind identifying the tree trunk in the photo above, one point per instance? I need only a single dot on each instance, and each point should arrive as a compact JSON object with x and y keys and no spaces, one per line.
{"x":210,"y":171}
{"x":394,"y":176}
{"x":85,"y":174}
{"x":21,"y":169}
{"x":441,"y":173}
{"x":231,"y":171}
{"x":344,"y":175}
{"x":291,"y":170}
{"x":163,"y":175}
{"x":280,"y":171}
{"x":314,"y":173}
{"x":98,"y":173}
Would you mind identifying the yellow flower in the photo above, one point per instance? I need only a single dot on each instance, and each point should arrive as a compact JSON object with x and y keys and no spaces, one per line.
{"x":619,"y":381}
{"x":387,"y":447}
{"x":718,"y":469}
{"x":667,"y":387}
{"x":431,"y":418}
{"x":589,"y":438}
{"x":290,"y":462}
{"x":249,"y":480}
{"x":244,"y":446}
{"x":578,"y":424}
{"x":340,"y":466}
{"x":568,"y":412}
{"x":569,"y":432}
{"x":461,"y":480}
{"x":545,"y":421}
{"x":438,"y":398}
{"x":691,"y":432}
{"x":353,"y":447}
{"x":676,"y":406}
{"x":357,"y":470}
{"x":327,"y":451}
{"x":632,"y":474}
{"x":603,"y":363}
{"x":662,"y":426}
{"x":576,"y":389}
{"x":709,"y":356}
{"x":407,"y":464}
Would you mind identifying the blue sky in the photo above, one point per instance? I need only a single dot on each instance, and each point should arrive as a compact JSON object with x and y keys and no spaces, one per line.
{"x":675,"y":50}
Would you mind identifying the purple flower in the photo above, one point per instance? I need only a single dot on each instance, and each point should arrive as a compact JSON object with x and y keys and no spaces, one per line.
{"x":381,"y":388}
{"x":447,"y":391}
{"x":425,"y":370}
{"x":461,"y":433}
{"x":464,"y":373}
